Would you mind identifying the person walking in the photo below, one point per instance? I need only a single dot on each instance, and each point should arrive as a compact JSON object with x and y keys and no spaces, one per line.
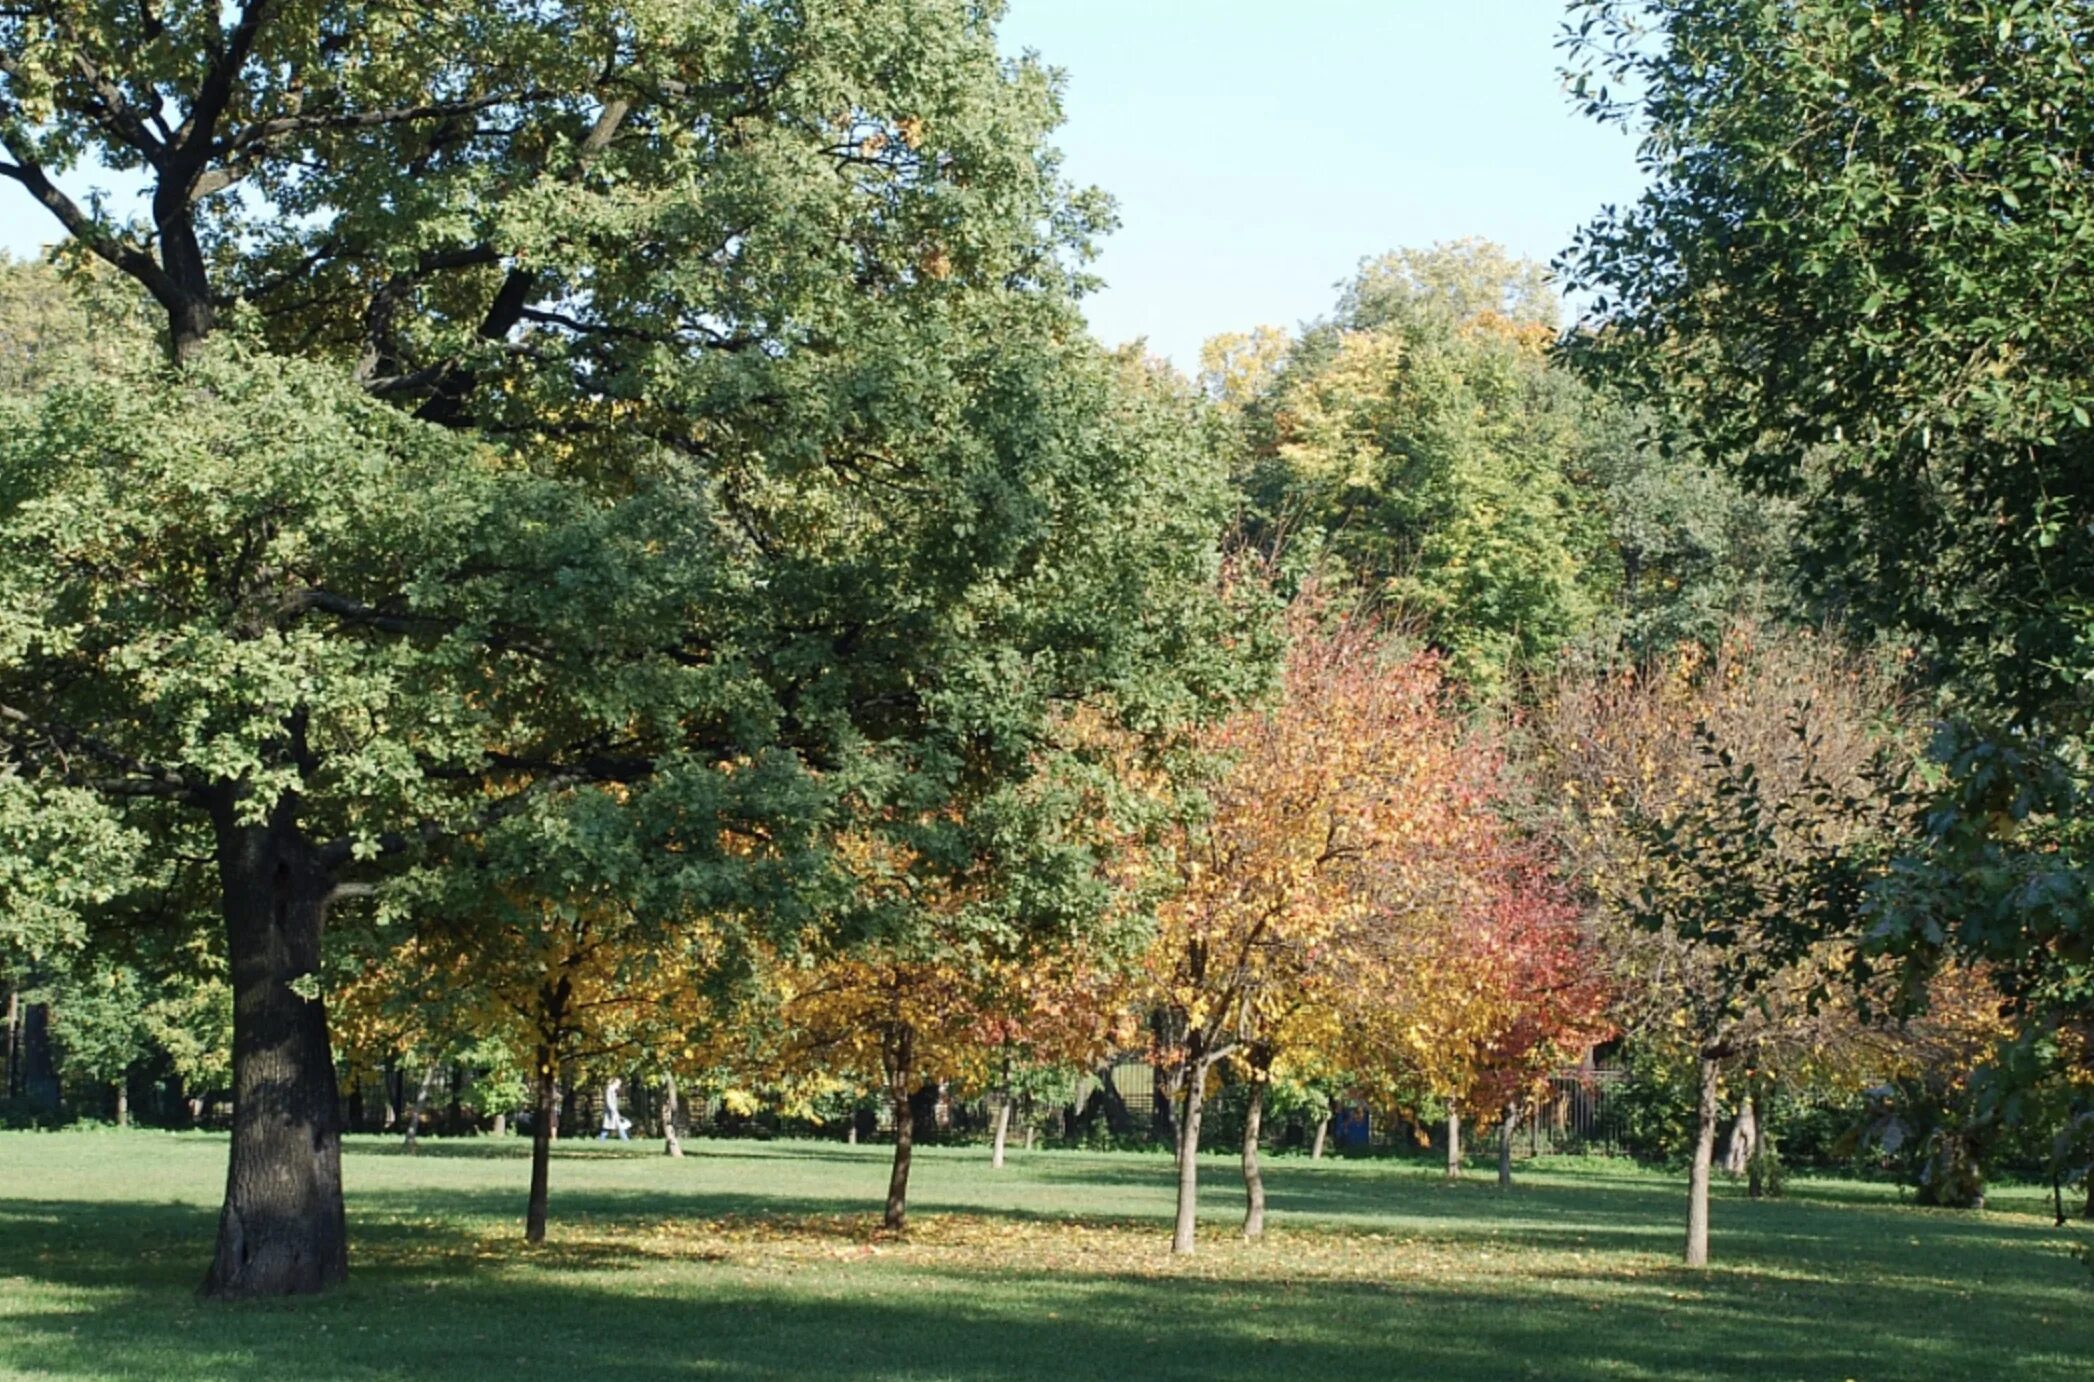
{"x":613,"y":1121}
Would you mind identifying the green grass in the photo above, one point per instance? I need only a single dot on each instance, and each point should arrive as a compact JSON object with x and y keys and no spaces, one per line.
{"x":750,"y":1260}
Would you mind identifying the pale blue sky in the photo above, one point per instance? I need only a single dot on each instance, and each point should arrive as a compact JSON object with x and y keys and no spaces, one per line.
{"x":1260,"y":148}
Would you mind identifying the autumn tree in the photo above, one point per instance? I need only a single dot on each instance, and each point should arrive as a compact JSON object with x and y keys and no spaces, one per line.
{"x":1726,"y":810}
{"x":1354,"y":775}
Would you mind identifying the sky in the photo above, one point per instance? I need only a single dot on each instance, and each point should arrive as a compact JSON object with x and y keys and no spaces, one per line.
{"x":1259,"y":149}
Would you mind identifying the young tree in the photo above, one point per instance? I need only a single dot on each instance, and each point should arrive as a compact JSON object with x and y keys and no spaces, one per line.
{"x":1726,"y":811}
{"x":1357,"y":773}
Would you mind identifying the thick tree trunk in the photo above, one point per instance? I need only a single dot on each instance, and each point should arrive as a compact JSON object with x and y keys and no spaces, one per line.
{"x":1253,"y":1177}
{"x":1704,"y":1157}
{"x":1453,"y":1145}
{"x":672,"y":1145}
{"x":1003,"y":1129}
{"x":545,"y":1085}
{"x":1189,"y":1158}
{"x":901,"y":1056}
{"x":421,"y":1103}
{"x":1506,"y":1130}
{"x":501,"y":1125}
{"x":281,"y":1231}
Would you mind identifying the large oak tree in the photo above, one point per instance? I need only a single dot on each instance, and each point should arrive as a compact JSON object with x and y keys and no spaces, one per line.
{"x":647,"y":438}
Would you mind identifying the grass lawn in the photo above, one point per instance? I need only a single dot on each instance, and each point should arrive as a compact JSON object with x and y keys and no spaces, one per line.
{"x":761,"y":1260}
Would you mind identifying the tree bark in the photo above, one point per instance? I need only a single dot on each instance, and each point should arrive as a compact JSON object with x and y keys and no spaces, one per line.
{"x":421,"y":1103}
{"x":281,"y":1231}
{"x":1003,"y":1128}
{"x":546,"y":1085}
{"x":14,"y":1025}
{"x":1757,"y":1165}
{"x":1189,"y":1158}
{"x":1744,"y":1140}
{"x":123,"y":1101}
{"x":1697,"y":1254}
{"x":1253,"y":1177}
{"x":1506,"y":1130}
{"x":501,"y":1125}
{"x":1323,"y":1132}
{"x":901,"y":1053}
{"x":1453,"y":1145}
{"x":672,"y":1145}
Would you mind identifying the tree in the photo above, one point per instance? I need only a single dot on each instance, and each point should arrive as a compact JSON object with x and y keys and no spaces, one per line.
{"x":1424,"y":435}
{"x":1726,"y":811}
{"x":729,"y":453}
{"x":1356,"y":773}
{"x":1856,"y":278}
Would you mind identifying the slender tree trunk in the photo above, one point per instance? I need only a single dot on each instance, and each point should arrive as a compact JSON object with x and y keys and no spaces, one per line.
{"x":1506,"y":1130}
{"x":389,"y":1083}
{"x":545,"y":1085}
{"x":1253,"y":1177}
{"x":1003,"y":1128}
{"x":14,"y":1027}
{"x":672,"y":1145}
{"x":123,"y":1101}
{"x":1032,"y":1131}
{"x":1744,"y":1140}
{"x":421,"y":1103}
{"x":282,"y":1230}
{"x":1453,"y":1145}
{"x":1757,"y":1164}
{"x":901,"y":1052}
{"x":850,"y":1132}
{"x":1323,"y":1132}
{"x":1189,"y":1157}
{"x":1168,"y":1088}
{"x":1704,"y":1156}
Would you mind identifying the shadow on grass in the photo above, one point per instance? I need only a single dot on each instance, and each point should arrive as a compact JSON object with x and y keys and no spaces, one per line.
{"x":442,"y":1287}
{"x":427,"y":1302}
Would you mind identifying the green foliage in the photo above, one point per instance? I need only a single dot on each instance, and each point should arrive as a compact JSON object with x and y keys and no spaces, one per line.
{"x":1428,"y":439}
{"x":1857,"y":278}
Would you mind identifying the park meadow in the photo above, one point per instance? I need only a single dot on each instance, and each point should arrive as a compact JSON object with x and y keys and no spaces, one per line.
{"x":767,"y":1259}
{"x":628,"y":745}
